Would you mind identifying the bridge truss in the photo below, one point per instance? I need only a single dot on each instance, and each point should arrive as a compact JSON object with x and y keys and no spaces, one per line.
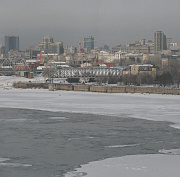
{"x":85,"y":72}
{"x":14,"y":64}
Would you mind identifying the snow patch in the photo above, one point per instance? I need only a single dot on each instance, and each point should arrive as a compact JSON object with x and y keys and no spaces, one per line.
{"x":170,"y":151}
{"x":58,"y":118}
{"x":3,"y":160}
{"x":177,"y":125}
{"x":13,"y":120}
{"x":122,"y":146}
{"x":15,"y":165}
{"x":78,"y":138}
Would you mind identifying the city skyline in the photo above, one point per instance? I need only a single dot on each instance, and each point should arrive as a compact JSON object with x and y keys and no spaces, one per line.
{"x":109,"y":22}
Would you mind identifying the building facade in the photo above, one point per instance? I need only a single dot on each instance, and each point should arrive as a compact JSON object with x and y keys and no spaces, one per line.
{"x":44,"y":58}
{"x":89,"y":43}
{"x":140,"y":69}
{"x":44,"y":45}
{"x":168,"y":42}
{"x":11,"y":43}
{"x":70,"y":50}
{"x":56,"y":47}
{"x":2,"y":50}
{"x":170,"y":59}
{"x":159,"y":41}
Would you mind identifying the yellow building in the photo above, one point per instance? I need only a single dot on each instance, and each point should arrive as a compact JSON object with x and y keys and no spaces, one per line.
{"x":140,"y":69}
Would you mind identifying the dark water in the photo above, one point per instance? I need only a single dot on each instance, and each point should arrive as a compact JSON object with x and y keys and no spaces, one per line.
{"x":47,"y":144}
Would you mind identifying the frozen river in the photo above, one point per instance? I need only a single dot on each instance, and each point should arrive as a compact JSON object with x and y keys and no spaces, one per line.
{"x":52,"y":133}
{"x":43,"y":143}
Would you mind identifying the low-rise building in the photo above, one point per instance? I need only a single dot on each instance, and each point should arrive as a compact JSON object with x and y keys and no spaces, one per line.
{"x":140,"y":69}
{"x":106,"y":56}
{"x":45,"y":57}
{"x":136,"y":57}
{"x":169,"y":59}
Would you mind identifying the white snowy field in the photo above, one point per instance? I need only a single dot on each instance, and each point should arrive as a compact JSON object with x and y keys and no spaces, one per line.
{"x":143,"y":106}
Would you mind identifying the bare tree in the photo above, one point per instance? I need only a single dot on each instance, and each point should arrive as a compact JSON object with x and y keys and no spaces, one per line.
{"x":145,"y":78}
{"x":164,"y":79}
{"x":154,"y":60}
{"x":173,"y":68}
{"x":129,"y":79}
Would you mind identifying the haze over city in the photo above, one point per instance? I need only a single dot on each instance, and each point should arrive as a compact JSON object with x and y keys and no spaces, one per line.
{"x":110,"y":22}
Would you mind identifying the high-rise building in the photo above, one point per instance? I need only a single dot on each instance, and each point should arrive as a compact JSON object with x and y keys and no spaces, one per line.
{"x":56,"y":47}
{"x":49,"y":46}
{"x":70,"y":50}
{"x":11,"y":43}
{"x":160,"y":41}
{"x":2,"y":49}
{"x":44,"y":45}
{"x":168,"y":42}
{"x":89,"y":43}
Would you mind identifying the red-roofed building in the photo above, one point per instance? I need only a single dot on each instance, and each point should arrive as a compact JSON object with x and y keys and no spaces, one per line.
{"x":110,"y":65}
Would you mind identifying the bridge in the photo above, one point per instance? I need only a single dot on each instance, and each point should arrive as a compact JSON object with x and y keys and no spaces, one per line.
{"x":85,"y":72}
{"x":19,"y":64}
{"x":14,"y":64}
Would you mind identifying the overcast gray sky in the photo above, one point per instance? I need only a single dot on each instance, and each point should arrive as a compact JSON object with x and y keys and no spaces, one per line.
{"x":111,"y":22}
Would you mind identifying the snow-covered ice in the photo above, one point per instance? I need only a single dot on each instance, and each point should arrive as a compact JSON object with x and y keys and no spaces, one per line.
{"x":170,"y":151}
{"x":8,"y":164}
{"x":150,"y":165}
{"x":3,"y":159}
{"x":143,"y":106}
{"x":58,"y":118}
{"x":123,"y":145}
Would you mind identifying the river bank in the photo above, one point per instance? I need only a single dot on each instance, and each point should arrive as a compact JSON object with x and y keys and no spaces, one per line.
{"x":101,"y":89}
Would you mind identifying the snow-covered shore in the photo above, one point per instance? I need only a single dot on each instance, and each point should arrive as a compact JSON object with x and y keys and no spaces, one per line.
{"x":143,"y":106}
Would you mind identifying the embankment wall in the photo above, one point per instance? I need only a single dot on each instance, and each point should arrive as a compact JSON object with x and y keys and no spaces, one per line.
{"x":25,"y":85}
{"x":101,"y":89}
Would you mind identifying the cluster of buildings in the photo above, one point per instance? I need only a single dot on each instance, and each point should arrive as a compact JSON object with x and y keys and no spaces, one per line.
{"x":49,"y":46}
{"x":138,"y":53}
